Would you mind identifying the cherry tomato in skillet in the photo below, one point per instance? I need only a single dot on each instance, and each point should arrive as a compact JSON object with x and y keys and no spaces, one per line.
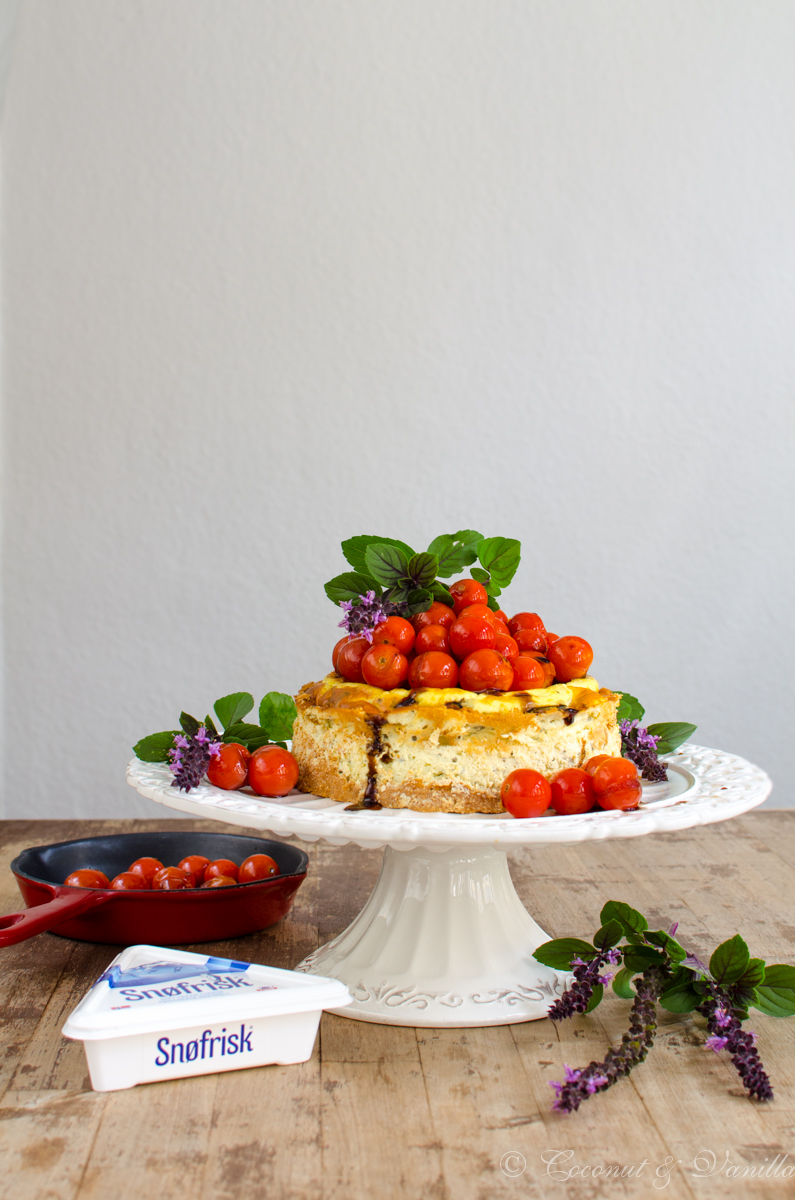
{"x":467,"y":591}
{"x":525,"y":793}
{"x":171,"y":879}
{"x":229,"y":767}
{"x":257,"y":866}
{"x":395,"y":631}
{"x":273,"y":771}
{"x":437,"y":614}
{"x":127,"y":882}
{"x":87,"y":878}
{"x":572,"y":792}
{"x":484,"y":670}
{"x":349,"y":660}
{"x":221,"y":866}
{"x":146,"y":867}
{"x":432,"y":637}
{"x":196,"y":864}
{"x":383,"y":666}
{"x":571,"y":657}
{"x":220,"y":881}
{"x":433,"y":669}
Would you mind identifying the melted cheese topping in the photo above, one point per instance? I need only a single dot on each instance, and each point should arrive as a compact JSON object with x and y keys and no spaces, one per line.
{"x":336,"y":692}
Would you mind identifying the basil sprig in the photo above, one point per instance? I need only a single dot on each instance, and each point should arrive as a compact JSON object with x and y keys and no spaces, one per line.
{"x":395,"y":572}
{"x":277,"y":713}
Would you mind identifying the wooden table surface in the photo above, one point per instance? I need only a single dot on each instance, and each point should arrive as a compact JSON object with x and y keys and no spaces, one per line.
{"x":389,"y":1111}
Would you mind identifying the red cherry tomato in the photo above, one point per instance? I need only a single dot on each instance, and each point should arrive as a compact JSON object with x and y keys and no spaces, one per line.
{"x":571,"y":657}
{"x":437,"y":614}
{"x":592,"y":763}
{"x":196,"y":864}
{"x":229,"y":767}
{"x":257,"y":866}
{"x":528,"y":674}
{"x":87,"y":878}
{"x":432,"y":637}
{"x":530,"y":639}
{"x":525,"y":620}
{"x":171,"y":879}
{"x":484,"y":670}
{"x":221,"y":866}
{"x":467,"y":591}
{"x":272,"y":771}
{"x":147,"y":868}
{"x":127,"y":882}
{"x":349,"y":659}
{"x":526,"y":793}
{"x":549,"y":670}
{"x":433,"y":669}
{"x":219,"y":881}
{"x":616,"y":783}
{"x":335,"y":652}
{"x":572,"y":792}
{"x":395,"y":631}
{"x":507,"y":647}
{"x":501,"y":627}
{"x":551,"y":637}
{"x":383,"y":666}
{"x":501,"y":616}
{"x":478,"y":610}
{"x":470,"y":634}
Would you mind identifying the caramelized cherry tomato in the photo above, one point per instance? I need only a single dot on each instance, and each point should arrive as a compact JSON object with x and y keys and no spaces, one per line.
{"x":526,"y":793}
{"x":551,"y":637}
{"x":501,"y":616}
{"x":616,"y":783}
{"x":229,"y":767}
{"x":501,"y":627}
{"x":432,"y":637}
{"x":506,"y":646}
{"x":433,"y":669}
{"x":87,"y":878}
{"x":273,"y":771}
{"x":571,"y":657}
{"x":467,"y":591}
{"x":127,"y":882}
{"x":349,"y":660}
{"x":335,"y":652}
{"x":221,"y":866}
{"x":525,"y":620}
{"x":147,"y":868}
{"x":549,"y":670}
{"x":592,"y":763}
{"x":572,"y":792}
{"x":257,"y":866}
{"x":437,"y":614}
{"x":528,"y":674}
{"x":219,"y":881}
{"x":478,"y":610}
{"x":485,"y":669}
{"x":470,"y":634}
{"x":395,"y":631}
{"x":383,"y":666}
{"x":196,"y":864}
{"x":172,"y":879}
{"x":530,"y":639}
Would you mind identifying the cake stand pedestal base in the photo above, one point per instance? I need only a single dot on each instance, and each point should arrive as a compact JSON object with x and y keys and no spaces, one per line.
{"x":444,"y":940}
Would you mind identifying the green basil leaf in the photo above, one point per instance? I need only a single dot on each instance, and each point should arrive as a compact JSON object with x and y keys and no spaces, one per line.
{"x":500,"y":556}
{"x":479,"y":574}
{"x":387,"y":564}
{"x":189,"y":724}
{"x":422,"y":569}
{"x":638,"y":958}
{"x":354,"y":549}
{"x":671,"y":735}
{"x":596,"y":997}
{"x":455,"y":551}
{"x":241,"y":732}
{"x":621,"y":984}
{"x":629,"y":709}
{"x":441,"y":593}
{"x":673,"y":949}
{"x":682,"y":998}
{"x":630,"y":920}
{"x":492,"y":589}
{"x":209,"y":725}
{"x":730,"y":960}
{"x":233,"y":707}
{"x":753,"y":975}
{"x":559,"y":952}
{"x":277,"y":712}
{"x":155,"y":748}
{"x":776,"y":996}
{"x":400,"y":593}
{"x":419,"y":600}
{"x":609,"y":935}
{"x":350,"y":586}
{"x":493,"y":604}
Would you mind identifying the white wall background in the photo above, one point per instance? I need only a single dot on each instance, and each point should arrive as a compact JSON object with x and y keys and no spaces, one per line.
{"x":277,"y":273}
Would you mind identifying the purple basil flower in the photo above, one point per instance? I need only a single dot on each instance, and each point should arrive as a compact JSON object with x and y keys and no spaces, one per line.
{"x":190,"y":757}
{"x":362,"y":615}
{"x":640,"y":747}
{"x":586,"y":976}
{"x":716,"y":1043}
{"x":726,"y":1033}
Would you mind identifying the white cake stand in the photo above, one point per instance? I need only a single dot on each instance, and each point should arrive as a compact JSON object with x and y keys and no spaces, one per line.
{"x":444,"y":940}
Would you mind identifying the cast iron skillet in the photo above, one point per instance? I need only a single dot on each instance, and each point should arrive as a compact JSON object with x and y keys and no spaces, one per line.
{"x":153,"y":918}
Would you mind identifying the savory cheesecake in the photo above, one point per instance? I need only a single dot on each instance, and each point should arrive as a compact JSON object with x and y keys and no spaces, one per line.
{"x":443,"y":749}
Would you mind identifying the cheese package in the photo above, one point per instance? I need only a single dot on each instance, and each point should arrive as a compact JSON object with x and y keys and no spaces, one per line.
{"x":157,"y":1013}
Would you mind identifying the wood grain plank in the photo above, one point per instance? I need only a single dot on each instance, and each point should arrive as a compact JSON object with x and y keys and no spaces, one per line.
{"x":45,"y":1141}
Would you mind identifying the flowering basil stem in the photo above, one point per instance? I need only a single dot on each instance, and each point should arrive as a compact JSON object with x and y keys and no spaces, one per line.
{"x":656,"y":969}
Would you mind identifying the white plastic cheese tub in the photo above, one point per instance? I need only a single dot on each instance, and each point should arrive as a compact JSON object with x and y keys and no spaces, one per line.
{"x":164,"y":1014}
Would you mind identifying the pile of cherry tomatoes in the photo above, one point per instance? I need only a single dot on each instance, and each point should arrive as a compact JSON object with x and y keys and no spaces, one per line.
{"x":269,"y":771}
{"x":604,"y":782}
{"x":467,"y":646}
{"x":195,"y":871}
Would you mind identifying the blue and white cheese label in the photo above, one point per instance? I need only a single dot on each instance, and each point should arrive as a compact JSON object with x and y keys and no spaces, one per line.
{"x":166,"y":982}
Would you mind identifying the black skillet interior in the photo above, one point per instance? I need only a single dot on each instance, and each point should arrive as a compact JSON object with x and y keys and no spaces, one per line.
{"x":115,"y":852}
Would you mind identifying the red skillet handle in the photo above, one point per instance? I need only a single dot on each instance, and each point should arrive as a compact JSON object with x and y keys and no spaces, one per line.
{"x":17,"y":927}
